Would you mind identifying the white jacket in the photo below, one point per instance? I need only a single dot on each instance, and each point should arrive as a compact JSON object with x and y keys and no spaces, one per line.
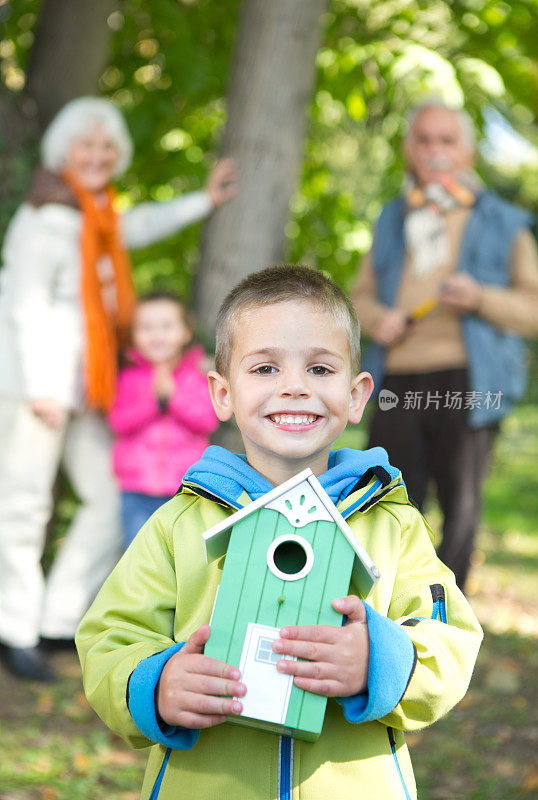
{"x":41,"y":320}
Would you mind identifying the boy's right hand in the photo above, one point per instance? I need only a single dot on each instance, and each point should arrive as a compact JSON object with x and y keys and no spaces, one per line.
{"x":196,"y":691}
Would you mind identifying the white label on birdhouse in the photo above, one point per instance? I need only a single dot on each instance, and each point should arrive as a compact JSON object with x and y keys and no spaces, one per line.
{"x":301,"y":505}
{"x":268,"y":691}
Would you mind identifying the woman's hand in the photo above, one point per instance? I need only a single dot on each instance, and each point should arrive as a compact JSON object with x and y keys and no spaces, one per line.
{"x":222,"y":182}
{"x":337,"y":657}
{"x":196,"y":691}
{"x":49,"y":411}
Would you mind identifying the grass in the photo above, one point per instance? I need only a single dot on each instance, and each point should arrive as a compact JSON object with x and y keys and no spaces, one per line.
{"x":55,"y":748}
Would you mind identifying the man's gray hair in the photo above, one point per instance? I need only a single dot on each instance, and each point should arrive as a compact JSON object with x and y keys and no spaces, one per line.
{"x":466,"y":124}
{"x":74,"y":121}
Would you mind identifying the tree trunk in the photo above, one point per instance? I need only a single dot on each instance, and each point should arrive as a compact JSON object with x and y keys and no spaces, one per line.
{"x":271,"y":83}
{"x":69,"y":52}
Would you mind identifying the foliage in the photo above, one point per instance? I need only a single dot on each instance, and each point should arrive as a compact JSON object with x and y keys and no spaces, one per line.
{"x":168,"y":68}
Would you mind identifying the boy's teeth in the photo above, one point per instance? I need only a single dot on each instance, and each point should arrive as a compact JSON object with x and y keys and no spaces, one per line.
{"x":293,"y":419}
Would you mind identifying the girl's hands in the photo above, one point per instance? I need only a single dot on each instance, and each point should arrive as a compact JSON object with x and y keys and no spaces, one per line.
{"x":337,"y":657}
{"x":163,"y":383}
{"x":196,"y":691}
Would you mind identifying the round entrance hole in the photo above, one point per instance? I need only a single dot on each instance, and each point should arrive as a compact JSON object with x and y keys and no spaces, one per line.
{"x":289,"y":557}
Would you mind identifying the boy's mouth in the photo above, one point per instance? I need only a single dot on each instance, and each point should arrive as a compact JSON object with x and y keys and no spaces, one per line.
{"x":297,"y":420}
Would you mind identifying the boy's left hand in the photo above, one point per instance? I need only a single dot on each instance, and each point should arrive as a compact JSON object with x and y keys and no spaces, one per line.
{"x":337,"y":657}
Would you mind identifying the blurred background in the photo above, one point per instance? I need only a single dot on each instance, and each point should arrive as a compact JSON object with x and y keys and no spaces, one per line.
{"x":171,"y":66}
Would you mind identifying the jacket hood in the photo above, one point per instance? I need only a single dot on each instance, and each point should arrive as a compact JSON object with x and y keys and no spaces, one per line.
{"x":226,"y":475}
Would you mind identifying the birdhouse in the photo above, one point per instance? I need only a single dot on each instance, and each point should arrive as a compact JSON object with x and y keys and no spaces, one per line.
{"x":289,"y":554}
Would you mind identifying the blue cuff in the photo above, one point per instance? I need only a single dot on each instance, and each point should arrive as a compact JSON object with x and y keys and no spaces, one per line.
{"x":141,"y":701}
{"x":392,"y":662}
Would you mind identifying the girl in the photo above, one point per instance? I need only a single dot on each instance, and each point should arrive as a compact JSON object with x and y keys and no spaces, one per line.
{"x":162,"y":415}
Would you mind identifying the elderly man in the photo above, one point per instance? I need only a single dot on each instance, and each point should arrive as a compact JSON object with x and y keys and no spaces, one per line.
{"x":448,"y":289}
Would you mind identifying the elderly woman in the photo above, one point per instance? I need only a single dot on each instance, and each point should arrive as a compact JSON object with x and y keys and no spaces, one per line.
{"x":65,"y":302}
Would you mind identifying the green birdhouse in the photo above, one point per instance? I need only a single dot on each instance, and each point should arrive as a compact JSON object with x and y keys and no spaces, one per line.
{"x":288,"y":556}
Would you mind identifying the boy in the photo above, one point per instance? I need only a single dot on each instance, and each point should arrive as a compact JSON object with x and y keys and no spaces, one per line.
{"x":287,"y":369}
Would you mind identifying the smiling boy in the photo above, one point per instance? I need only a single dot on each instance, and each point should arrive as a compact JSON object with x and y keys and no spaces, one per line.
{"x":288,"y":370}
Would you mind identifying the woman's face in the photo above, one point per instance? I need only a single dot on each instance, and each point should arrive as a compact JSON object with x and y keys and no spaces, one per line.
{"x":92,"y":159}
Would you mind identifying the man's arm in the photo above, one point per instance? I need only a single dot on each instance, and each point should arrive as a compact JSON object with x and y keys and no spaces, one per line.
{"x":510,"y":308}
{"x":380,"y":323}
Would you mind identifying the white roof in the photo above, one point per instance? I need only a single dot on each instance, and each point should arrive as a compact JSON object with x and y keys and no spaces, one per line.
{"x":215,"y":541}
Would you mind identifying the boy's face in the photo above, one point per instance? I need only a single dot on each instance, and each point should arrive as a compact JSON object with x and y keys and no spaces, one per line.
{"x":290,"y":387}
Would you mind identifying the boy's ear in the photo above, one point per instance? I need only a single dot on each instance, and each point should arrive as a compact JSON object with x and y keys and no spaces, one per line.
{"x":362,"y":387}
{"x":219,"y":390}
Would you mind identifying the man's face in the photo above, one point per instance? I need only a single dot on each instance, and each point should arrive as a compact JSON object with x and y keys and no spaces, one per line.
{"x":290,"y":387}
{"x":436,"y":147}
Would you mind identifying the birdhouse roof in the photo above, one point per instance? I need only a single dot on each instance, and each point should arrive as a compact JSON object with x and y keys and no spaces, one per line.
{"x":314,"y":505}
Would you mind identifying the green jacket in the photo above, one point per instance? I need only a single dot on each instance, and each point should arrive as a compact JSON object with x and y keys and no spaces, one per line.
{"x":162,"y":590}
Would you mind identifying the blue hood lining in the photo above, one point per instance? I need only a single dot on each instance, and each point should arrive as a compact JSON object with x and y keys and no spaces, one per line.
{"x":227,"y":475}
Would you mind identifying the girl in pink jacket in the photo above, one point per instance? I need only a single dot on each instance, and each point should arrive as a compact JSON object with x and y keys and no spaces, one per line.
{"x":162,"y":415}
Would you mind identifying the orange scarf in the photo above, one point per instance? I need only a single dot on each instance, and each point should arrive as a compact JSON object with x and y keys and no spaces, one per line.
{"x":105,"y":326}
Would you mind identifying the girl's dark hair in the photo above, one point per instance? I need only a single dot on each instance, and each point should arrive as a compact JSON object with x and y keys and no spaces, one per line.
{"x":157,"y":295}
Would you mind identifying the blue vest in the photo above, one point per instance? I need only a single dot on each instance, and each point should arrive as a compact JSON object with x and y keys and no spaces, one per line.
{"x":497,"y":360}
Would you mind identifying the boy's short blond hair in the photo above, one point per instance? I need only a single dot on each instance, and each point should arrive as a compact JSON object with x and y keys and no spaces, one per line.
{"x":280,"y":284}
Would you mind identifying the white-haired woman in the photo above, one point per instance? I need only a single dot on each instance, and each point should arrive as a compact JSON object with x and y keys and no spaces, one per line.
{"x":65,"y":301}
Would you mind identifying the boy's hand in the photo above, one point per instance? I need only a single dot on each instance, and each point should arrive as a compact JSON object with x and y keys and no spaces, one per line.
{"x":196,"y":691}
{"x":337,"y":657}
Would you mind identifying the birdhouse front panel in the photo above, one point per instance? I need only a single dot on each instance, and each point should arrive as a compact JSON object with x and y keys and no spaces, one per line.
{"x":277,"y":573}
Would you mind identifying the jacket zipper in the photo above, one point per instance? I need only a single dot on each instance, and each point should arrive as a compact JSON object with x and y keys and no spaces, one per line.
{"x":285,"y":768}
{"x":392,"y":742}
{"x":439,"y":602}
{"x":159,"y":779}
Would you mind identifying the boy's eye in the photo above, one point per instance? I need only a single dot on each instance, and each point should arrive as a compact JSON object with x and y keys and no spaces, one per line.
{"x":265,"y":369}
{"x":319,"y":369}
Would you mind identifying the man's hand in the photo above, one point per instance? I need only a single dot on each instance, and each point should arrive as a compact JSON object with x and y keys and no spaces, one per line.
{"x":222,"y":182}
{"x":196,"y":691}
{"x":337,"y":656}
{"x":460,"y":293}
{"x":49,"y":411}
{"x":391,"y":326}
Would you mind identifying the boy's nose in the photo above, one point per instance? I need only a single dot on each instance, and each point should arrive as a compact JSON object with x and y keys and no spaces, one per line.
{"x":294,"y":385}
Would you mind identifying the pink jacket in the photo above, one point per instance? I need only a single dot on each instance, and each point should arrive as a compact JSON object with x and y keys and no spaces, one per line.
{"x":153,"y":449}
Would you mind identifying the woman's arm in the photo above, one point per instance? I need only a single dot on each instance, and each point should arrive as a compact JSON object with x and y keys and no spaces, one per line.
{"x":150,"y":222}
{"x":46,"y":333}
